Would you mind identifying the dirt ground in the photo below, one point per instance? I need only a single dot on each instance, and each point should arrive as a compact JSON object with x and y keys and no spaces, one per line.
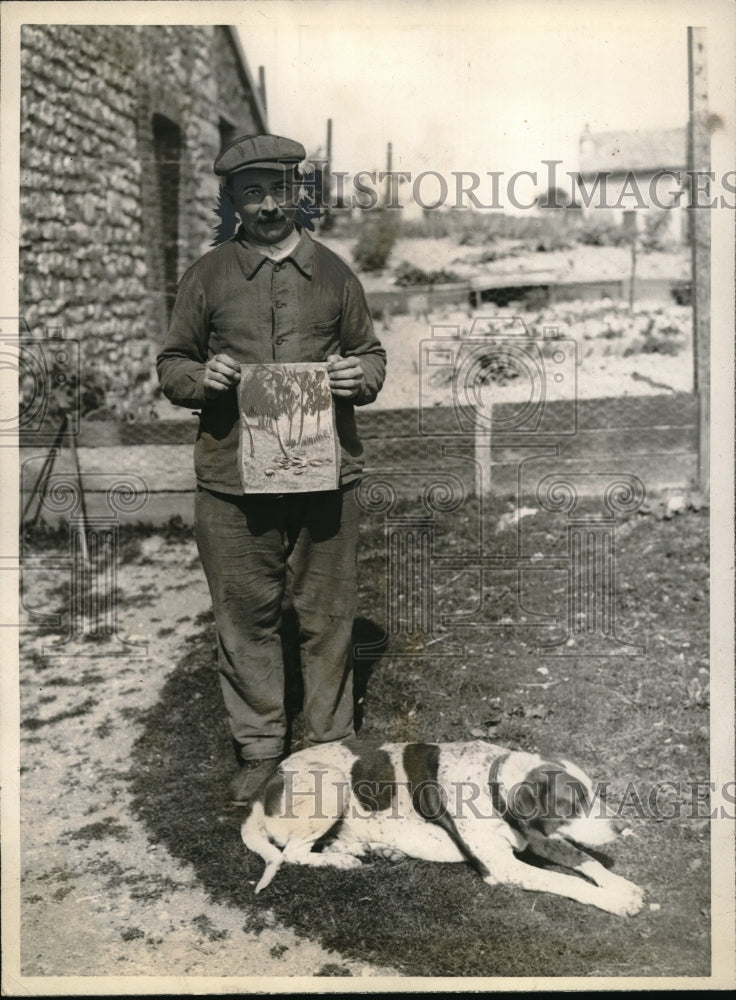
{"x":131,"y":860}
{"x":98,"y":898}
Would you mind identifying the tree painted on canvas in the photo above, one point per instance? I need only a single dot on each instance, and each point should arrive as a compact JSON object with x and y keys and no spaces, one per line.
{"x":287,"y":437}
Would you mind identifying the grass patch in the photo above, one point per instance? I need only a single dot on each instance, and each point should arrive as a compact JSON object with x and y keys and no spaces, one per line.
{"x":625,"y":719}
{"x":106,"y":866}
{"x":132,"y":934}
{"x":73,"y":713}
{"x":106,"y":827}
{"x":332,"y":969}
{"x":105,"y":728}
{"x":207,"y":929}
{"x":150,"y":887}
{"x":129,"y":712}
{"x":90,"y":677}
{"x":42,"y":537}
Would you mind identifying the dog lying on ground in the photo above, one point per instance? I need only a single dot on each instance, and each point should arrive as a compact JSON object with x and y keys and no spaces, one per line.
{"x":472,"y":802}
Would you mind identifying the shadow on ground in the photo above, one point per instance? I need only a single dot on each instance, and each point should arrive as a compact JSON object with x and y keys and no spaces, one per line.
{"x":386,"y":914}
{"x":442,"y":920}
{"x":424,"y":920}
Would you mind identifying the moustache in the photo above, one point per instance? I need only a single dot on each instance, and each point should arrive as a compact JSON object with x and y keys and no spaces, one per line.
{"x":270,"y":215}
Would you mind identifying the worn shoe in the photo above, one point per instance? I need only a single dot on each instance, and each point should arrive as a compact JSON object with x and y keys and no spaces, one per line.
{"x":249,"y":778}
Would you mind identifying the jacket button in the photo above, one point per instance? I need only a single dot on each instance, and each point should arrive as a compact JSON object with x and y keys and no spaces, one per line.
{"x":279,"y":340}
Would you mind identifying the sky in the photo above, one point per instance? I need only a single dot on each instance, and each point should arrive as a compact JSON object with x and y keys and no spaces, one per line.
{"x":473,"y":85}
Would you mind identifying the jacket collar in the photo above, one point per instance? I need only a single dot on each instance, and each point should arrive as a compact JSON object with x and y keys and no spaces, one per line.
{"x":252,"y":261}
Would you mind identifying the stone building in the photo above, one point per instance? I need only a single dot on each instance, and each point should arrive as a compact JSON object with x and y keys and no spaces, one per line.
{"x":119,"y":129}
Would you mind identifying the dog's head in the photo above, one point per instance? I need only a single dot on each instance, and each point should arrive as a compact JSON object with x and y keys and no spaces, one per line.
{"x":557,"y":799}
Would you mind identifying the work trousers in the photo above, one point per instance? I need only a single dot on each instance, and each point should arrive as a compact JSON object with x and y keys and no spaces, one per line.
{"x":252,"y":547}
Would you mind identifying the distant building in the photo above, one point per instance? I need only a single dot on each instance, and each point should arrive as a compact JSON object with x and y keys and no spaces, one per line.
{"x":120,"y":126}
{"x":633,"y":165}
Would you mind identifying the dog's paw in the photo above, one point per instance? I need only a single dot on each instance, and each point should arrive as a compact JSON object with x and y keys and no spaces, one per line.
{"x":343,"y":861}
{"x":625,"y":900}
{"x":389,"y":854}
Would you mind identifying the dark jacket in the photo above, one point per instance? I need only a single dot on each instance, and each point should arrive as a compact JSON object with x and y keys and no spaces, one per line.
{"x":236,"y":301}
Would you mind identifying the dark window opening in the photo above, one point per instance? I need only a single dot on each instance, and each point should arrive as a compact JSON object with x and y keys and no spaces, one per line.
{"x":167,"y":149}
{"x":228,"y":132}
{"x":629,"y":221}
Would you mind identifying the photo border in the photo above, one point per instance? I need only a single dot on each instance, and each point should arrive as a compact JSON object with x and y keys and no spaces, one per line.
{"x":718,"y":17}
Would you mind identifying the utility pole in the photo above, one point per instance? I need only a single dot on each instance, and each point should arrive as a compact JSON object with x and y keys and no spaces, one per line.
{"x":262,"y":87}
{"x":324,"y":192}
{"x":389,"y":151}
{"x":328,"y":167}
{"x":700,"y":242}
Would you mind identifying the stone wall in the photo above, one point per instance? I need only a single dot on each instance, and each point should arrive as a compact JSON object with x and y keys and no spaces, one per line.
{"x":119,"y":129}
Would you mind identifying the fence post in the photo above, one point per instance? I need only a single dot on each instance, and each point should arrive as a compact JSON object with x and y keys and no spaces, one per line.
{"x":699,"y":232}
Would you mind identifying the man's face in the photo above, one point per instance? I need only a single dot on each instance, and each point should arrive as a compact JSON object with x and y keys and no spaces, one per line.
{"x":263,"y":200}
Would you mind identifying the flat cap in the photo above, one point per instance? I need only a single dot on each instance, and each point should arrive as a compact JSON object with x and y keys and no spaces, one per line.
{"x":265,"y":151}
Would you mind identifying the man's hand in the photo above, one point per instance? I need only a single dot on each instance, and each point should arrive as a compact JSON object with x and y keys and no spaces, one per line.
{"x":220,"y":374}
{"x":346,"y":376}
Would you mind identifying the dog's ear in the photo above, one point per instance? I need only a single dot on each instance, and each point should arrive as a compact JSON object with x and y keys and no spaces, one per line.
{"x":547,"y":795}
{"x":526,"y":801}
{"x":565,"y":793}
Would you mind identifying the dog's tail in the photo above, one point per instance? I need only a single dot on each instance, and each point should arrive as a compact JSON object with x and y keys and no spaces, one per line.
{"x":255,"y":839}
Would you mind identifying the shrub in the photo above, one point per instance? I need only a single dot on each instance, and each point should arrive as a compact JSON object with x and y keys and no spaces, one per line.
{"x":408,"y":274}
{"x":602,"y":233}
{"x":660,"y":337}
{"x":656,"y":235}
{"x":378,"y":233}
{"x":551,"y":231}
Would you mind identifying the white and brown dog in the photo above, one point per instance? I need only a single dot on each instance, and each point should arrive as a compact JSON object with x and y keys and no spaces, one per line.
{"x":472,"y":802}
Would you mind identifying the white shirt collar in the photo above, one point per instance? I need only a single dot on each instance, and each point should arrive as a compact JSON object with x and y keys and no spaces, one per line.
{"x":277,"y":251}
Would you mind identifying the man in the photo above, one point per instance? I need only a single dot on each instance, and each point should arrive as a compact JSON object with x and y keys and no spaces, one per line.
{"x":272,"y":294}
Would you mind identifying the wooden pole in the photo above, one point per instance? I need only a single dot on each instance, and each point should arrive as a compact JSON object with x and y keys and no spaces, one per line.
{"x":632,"y":280}
{"x":326,"y":192}
{"x":262,"y":87}
{"x":389,"y":150}
{"x":699,"y":231}
{"x":82,"y":500}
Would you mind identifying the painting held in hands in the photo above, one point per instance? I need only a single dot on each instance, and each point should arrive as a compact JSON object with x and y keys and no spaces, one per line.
{"x":288,"y":442}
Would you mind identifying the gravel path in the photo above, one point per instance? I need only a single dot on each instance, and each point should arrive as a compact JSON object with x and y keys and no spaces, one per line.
{"x":99,"y":898}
